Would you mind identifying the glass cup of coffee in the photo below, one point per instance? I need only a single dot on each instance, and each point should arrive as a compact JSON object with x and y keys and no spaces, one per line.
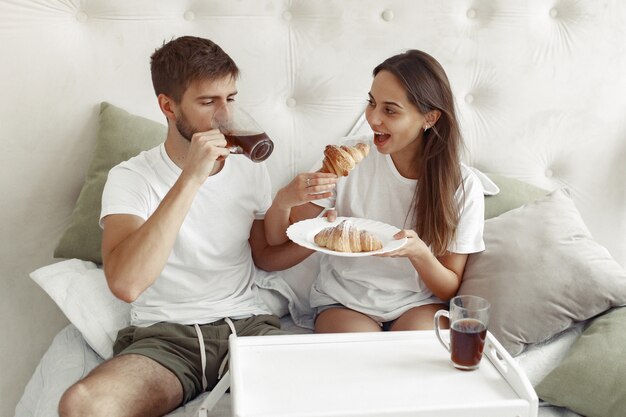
{"x":469,"y":318}
{"x":243,"y":134}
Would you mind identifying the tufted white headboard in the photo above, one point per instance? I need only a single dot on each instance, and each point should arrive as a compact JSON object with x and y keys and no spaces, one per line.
{"x":540,"y":88}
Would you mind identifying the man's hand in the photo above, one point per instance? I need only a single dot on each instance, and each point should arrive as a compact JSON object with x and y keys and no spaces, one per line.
{"x":206,"y":148}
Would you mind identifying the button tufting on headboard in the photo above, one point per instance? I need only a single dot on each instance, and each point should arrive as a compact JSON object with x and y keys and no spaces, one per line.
{"x":81,"y":16}
{"x":387,"y":15}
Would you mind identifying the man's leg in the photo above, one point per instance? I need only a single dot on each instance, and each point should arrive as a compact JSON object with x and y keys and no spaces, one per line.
{"x":125,"y":386}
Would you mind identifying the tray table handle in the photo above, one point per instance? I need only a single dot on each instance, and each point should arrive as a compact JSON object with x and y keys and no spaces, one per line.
{"x":511,"y":371}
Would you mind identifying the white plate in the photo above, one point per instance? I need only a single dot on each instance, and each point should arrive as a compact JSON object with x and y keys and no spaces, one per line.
{"x":303,"y":233}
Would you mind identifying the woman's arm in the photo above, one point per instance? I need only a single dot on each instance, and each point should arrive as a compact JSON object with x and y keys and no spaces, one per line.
{"x":442,"y":275}
{"x":274,"y":258}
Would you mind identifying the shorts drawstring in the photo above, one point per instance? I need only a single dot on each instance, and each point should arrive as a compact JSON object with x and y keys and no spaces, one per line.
{"x":203,"y":353}
{"x":202,"y":356}
{"x":224,"y":380}
{"x":225,"y":360}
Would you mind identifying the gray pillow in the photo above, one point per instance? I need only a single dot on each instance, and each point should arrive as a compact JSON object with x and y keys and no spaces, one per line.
{"x":513,"y":194}
{"x":591,"y":378}
{"x":542,"y":272}
{"x":121,"y":136}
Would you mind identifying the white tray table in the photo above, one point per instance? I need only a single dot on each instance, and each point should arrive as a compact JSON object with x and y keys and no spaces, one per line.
{"x":372,"y":374}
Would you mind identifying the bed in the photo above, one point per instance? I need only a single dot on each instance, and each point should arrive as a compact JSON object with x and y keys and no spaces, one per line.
{"x":539,"y":91}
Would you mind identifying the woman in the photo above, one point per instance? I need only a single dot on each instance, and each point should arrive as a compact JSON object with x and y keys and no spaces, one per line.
{"x":414,"y":181}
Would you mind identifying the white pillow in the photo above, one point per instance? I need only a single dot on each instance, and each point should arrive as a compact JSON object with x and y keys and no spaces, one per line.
{"x":81,"y":292}
{"x":293,"y":286}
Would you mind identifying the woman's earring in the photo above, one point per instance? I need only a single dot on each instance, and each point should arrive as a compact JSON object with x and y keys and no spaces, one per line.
{"x":426,"y":128}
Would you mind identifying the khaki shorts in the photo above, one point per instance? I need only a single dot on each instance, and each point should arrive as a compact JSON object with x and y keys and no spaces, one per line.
{"x":176,"y":347}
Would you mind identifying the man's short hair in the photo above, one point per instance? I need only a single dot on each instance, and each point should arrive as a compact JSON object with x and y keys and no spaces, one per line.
{"x":181,"y":61}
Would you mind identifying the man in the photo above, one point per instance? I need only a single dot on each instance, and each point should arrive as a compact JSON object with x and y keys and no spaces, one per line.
{"x":183,"y":231}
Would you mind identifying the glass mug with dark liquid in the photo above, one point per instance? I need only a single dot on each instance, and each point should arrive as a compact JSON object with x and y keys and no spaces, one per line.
{"x":243,"y":135}
{"x":469,"y":317}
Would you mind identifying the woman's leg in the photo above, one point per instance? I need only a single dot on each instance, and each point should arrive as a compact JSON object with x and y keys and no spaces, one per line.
{"x":419,"y":318}
{"x":342,"y":320}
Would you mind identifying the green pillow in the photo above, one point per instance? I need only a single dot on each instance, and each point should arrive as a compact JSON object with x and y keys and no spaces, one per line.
{"x":591,"y":378}
{"x":513,"y":194}
{"x":121,"y":136}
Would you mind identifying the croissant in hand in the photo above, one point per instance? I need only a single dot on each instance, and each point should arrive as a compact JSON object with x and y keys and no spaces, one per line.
{"x":340,"y":160}
{"x":345,"y":237}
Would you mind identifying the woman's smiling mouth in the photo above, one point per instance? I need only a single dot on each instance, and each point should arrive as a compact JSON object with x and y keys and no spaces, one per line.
{"x":380,"y":138}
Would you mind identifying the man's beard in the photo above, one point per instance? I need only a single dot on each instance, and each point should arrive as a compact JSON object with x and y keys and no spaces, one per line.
{"x":184,"y":127}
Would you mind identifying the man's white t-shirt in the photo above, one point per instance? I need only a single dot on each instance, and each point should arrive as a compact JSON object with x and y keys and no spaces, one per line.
{"x":385,"y":288}
{"x":210,"y":272}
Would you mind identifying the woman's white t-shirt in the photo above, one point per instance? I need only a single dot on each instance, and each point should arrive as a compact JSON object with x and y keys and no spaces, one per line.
{"x":385,"y":288}
{"x":209,"y":274}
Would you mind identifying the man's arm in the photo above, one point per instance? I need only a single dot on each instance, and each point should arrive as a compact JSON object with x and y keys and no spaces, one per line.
{"x":135,"y":251}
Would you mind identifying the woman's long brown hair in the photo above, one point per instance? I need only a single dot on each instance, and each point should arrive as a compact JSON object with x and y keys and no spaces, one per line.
{"x":435,"y":209}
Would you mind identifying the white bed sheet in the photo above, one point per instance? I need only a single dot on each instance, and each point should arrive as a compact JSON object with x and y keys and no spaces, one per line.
{"x":69,"y":358}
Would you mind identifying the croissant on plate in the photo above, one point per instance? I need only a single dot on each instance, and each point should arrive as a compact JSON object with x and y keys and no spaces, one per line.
{"x":340,"y":160}
{"x":345,"y":237}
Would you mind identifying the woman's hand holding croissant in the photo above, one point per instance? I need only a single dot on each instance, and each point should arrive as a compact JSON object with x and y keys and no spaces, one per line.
{"x":304,"y":188}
